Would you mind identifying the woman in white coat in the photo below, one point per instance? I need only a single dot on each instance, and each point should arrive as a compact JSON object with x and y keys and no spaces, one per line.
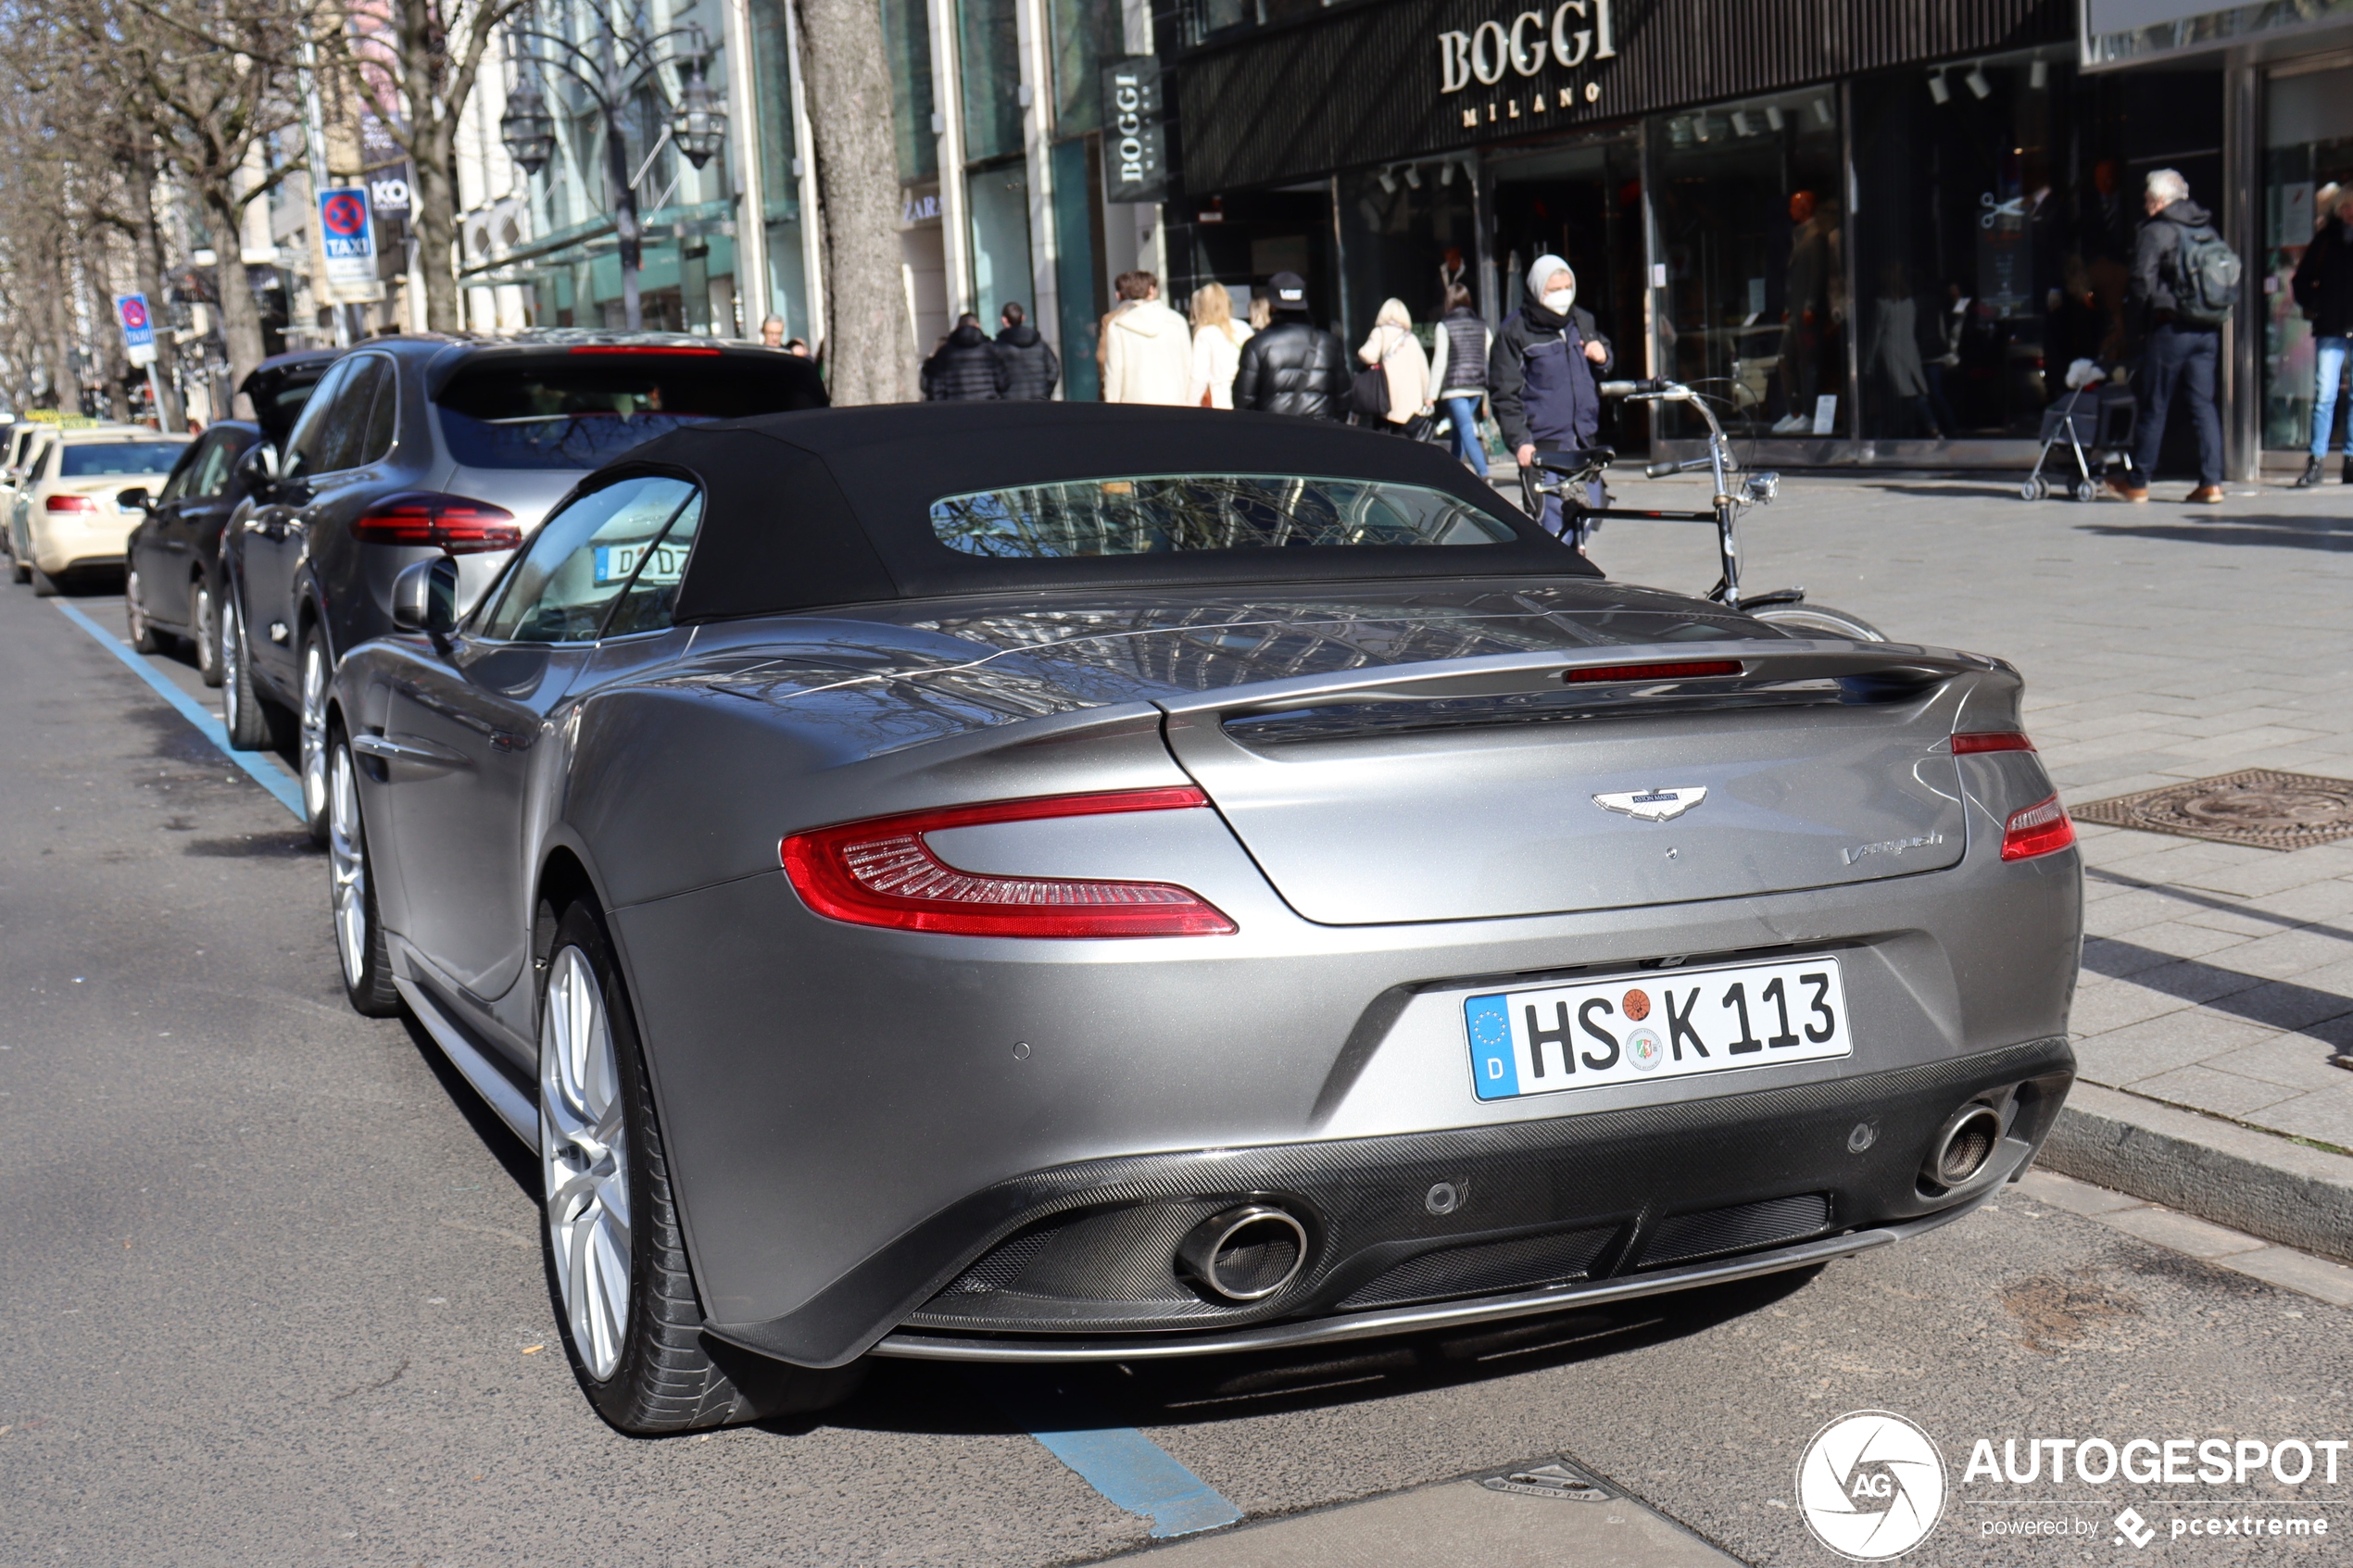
{"x":1398,"y":353}
{"x":1217,"y":346}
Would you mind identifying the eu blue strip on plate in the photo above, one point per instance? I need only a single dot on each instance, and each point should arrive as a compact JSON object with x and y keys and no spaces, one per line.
{"x":284,"y":788}
{"x":1494,"y":1069}
{"x":1119,"y":1462}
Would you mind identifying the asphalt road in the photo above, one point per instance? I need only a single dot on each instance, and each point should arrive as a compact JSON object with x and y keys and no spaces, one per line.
{"x":271,"y":1291}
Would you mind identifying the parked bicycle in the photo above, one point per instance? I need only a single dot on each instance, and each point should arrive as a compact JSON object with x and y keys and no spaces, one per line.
{"x":1575,"y":474}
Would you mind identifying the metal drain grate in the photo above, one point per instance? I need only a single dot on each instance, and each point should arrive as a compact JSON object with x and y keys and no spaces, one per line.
{"x":2259,"y":807}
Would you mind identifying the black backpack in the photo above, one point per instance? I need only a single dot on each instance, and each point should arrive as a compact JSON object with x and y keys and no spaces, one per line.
{"x":2205,"y":277}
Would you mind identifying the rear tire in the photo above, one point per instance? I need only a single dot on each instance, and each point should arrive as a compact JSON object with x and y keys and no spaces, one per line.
{"x":144,"y":636}
{"x":204,"y":618}
{"x":253,"y":721}
{"x":616,"y":1258}
{"x":1820,"y":621}
{"x":360,"y":932}
{"x":317,"y":674}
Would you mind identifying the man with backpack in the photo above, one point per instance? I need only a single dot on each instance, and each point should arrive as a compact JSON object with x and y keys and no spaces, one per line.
{"x":2185,"y":281}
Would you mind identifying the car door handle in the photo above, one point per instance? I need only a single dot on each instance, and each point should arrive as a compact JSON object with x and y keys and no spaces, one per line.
{"x":413,"y":751}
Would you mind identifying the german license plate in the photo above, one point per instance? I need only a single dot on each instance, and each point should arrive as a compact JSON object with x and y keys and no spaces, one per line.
{"x":1662,"y":1024}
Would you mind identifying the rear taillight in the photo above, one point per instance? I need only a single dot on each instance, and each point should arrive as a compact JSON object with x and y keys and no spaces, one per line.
{"x":454,"y":524}
{"x":880,"y":872}
{"x":1996,"y":740}
{"x":2040,"y":829}
{"x":1690,"y":671}
{"x":70,"y":504}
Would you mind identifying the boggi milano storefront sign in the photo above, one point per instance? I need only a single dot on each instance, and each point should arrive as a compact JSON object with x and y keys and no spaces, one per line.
{"x":1512,"y":55}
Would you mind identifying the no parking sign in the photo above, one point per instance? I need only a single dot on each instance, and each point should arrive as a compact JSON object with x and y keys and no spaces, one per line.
{"x":349,"y":237}
{"x":138,"y":326}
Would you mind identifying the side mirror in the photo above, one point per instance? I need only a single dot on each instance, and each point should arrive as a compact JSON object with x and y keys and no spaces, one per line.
{"x":135,"y":496}
{"x":257,"y":469}
{"x":424,"y":598}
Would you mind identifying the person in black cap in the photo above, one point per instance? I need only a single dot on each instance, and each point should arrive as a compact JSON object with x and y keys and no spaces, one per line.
{"x":1293,"y":367}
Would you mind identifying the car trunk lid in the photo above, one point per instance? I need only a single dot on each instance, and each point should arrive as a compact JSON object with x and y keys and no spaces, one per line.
{"x":1501,"y":787}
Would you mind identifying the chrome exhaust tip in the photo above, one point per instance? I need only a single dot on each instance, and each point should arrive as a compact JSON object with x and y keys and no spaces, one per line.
{"x":1961,"y":1147}
{"x":1246,"y":1253}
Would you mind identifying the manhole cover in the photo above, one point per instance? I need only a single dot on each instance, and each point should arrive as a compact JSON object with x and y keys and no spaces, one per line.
{"x":1551,"y":1479}
{"x":2257,"y":807}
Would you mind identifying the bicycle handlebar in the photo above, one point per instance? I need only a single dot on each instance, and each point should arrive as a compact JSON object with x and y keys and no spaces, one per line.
{"x":1689,"y":465}
{"x":1634,"y":388}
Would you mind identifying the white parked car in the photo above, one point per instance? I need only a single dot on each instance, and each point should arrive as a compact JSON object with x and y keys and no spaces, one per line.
{"x":68,"y":514}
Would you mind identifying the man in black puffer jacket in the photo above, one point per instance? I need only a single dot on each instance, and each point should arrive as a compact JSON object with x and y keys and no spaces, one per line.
{"x":1293,"y":367}
{"x":967,"y":368}
{"x":1031,"y":369}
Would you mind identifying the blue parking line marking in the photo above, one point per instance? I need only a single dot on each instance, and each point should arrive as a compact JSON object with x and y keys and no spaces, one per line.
{"x":280,"y":788}
{"x":1119,"y":1462}
{"x":1142,"y":1477}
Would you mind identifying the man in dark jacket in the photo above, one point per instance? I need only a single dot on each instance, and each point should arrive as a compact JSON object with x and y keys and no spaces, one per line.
{"x":1540,"y":372}
{"x":1293,"y":367}
{"x":1031,"y":369}
{"x":967,"y":367}
{"x":2183,"y":356}
{"x":2323,"y":287}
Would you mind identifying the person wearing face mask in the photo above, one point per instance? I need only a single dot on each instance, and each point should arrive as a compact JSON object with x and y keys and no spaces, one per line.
{"x":1542,"y":370}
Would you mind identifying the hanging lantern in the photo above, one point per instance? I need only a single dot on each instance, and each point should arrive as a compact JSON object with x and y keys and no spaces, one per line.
{"x":528,"y":129}
{"x":700,"y":125}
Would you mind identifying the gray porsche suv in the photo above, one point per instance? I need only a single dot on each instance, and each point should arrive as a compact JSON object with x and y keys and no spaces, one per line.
{"x":414,"y":447}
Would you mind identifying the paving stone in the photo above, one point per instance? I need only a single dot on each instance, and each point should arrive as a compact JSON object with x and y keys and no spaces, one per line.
{"x":2103,"y":1006}
{"x":2296,"y":1270}
{"x":2076,"y":1198}
{"x":2296,"y":1061}
{"x":2225,"y":1094}
{"x":2180,"y":1232}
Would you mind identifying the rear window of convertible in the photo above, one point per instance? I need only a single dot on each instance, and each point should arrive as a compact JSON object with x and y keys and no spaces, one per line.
{"x":1167,"y":514}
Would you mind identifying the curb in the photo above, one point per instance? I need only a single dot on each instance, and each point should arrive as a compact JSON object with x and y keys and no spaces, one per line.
{"x":2218,"y":1171}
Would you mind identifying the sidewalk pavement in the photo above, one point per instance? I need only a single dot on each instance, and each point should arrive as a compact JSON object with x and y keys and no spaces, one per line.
{"x":2160,"y":643}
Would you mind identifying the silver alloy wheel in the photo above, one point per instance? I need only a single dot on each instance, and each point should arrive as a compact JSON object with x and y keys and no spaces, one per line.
{"x":207,"y":647}
{"x":232,"y":658}
{"x":348,"y":867}
{"x":584,"y":1159}
{"x":315,"y":675}
{"x":137,"y":611}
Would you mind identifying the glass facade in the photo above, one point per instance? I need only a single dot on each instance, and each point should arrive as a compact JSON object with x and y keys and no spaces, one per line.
{"x":2308,"y":146}
{"x":907,"y":35}
{"x":1088,"y":34}
{"x":987,"y":37}
{"x":1751,"y":212}
{"x":998,"y":200}
{"x":1078,"y":278}
{"x":779,"y":152}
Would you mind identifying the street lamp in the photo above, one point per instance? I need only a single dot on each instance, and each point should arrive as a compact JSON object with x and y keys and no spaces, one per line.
{"x":613,"y":68}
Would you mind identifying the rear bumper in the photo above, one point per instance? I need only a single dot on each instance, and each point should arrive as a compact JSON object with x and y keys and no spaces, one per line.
{"x":1587,"y":1208}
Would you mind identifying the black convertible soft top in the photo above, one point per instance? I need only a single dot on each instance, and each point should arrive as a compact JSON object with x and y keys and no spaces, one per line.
{"x":832,"y":507}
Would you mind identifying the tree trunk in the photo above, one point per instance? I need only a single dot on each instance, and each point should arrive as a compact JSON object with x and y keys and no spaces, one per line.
{"x":114,"y":363}
{"x":146,"y":260}
{"x":240,"y":321}
{"x":65,"y":378}
{"x":869,"y":338}
{"x":432,"y":215}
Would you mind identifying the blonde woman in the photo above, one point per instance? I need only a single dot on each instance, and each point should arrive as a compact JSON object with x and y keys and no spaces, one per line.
{"x":1217,"y":346}
{"x":1398,"y":353}
{"x":1261,"y":312}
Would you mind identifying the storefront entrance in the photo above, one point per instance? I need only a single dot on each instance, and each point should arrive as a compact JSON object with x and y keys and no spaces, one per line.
{"x":1583,"y":203}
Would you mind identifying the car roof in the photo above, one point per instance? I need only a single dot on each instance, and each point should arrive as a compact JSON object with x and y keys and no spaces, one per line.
{"x":862,"y":482}
{"x":122,"y":433}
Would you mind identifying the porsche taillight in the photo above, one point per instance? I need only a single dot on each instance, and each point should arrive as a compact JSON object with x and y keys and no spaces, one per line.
{"x":881,"y":871}
{"x":457,"y":525}
{"x":2040,"y":829}
{"x":1990,"y":740}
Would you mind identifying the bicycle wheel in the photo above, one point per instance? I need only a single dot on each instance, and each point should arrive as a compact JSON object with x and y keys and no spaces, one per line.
{"x":1819,"y":621}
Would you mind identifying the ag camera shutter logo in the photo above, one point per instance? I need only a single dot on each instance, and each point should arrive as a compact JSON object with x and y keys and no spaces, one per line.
{"x":1872,"y":1485}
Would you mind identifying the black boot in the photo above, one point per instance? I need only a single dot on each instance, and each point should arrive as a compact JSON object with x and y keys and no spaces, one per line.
{"x":2312,"y":473}
{"x":2349,"y":467}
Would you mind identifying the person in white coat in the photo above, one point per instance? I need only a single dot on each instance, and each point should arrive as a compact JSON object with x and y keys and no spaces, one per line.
{"x":1148,"y":353}
{"x":1217,"y":346}
{"x":1398,"y":353}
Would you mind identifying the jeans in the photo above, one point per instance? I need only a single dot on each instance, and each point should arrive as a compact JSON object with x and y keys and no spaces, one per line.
{"x":2182,"y":357}
{"x":2329,"y":353}
{"x":1464,"y":413}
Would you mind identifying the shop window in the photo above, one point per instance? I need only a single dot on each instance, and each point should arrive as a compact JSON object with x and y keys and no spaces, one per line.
{"x":907,"y":37}
{"x":999,"y":199}
{"x":1583,"y":202}
{"x":990,"y":44}
{"x":1751,"y":215}
{"x":2307,"y":147}
{"x":1079,"y":275}
{"x":1999,"y":208}
{"x":1088,"y":35}
{"x":787,"y":297}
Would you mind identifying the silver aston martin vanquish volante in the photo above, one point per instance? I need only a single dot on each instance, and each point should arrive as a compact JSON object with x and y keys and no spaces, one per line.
{"x":1019,"y":883}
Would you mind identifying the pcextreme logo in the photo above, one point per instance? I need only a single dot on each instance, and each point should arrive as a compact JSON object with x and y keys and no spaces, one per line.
{"x":1872,"y":1485}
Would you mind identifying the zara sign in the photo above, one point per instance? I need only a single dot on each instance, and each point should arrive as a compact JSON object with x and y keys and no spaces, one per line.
{"x":1575,"y":31}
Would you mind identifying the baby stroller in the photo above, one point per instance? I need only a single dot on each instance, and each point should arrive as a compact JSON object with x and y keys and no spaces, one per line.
{"x":2095,"y":420}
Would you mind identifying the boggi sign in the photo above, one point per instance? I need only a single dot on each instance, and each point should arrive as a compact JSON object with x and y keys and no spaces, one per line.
{"x":1575,"y":31}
